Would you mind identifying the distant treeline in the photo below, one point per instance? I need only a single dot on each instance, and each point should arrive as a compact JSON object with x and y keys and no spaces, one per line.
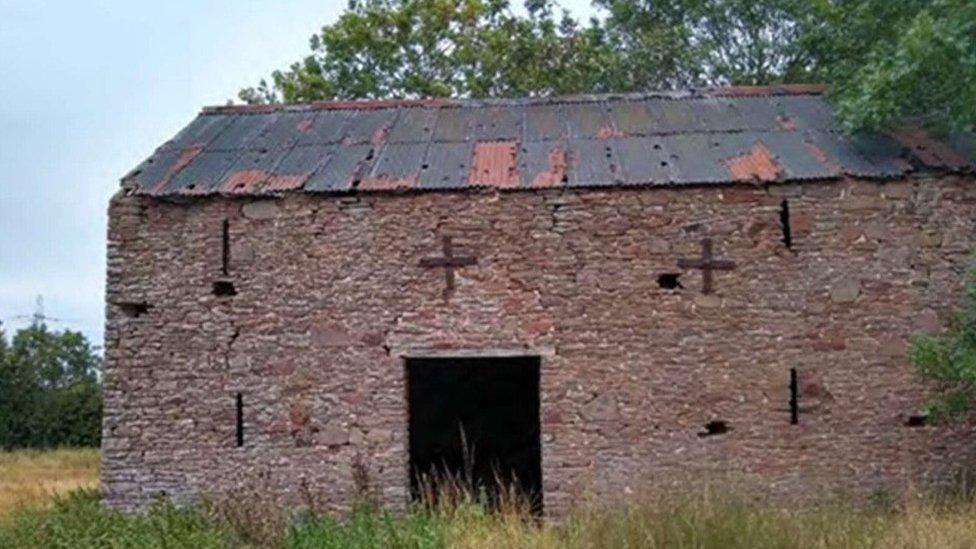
{"x":50,"y":389}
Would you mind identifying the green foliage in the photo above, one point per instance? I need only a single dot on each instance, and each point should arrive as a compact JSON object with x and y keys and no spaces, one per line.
{"x":50,"y":393}
{"x":886,"y":61}
{"x":440,"y":48}
{"x":890,"y":61}
{"x":80,"y":521}
{"x":367,"y":529}
{"x":4,"y":347}
{"x":708,"y":42}
{"x":6,"y":384}
{"x":950,"y":359}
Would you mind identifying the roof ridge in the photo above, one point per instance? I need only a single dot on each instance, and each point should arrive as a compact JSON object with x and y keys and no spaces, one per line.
{"x":373,"y":104}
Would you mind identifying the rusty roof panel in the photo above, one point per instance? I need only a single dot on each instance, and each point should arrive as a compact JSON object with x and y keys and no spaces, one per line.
{"x":200,"y":132}
{"x":302,"y":161}
{"x":202,"y":175}
{"x":793,"y":153}
{"x":448,"y":166}
{"x":545,"y":122}
{"x":154,"y":172}
{"x":633,"y":118}
{"x":326,"y":128}
{"x":241,"y":131}
{"x":587,"y":120}
{"x":697,"y":158}
{"x":674,"y":116}
{"x":305,"y":159}
{"x":495,"y":124}
{"x":399,"y":165}
{"x":809,"y":113}
{"x":413,"y":126}
{"x":452,"y":125}
{"x":930,"y":152}
{"x":758,"y":134}
{"x":835,"y":151}
{"x":285,"y":132}
{"x":370,"y":126}
{"x":593,"y":162}
{"x":478,"y":124}
{"x":643,"y":160}
{"x":718,"y":114}
{"x":879,"y":155}
{"x":494,"y":164}
{"x":543,"y":164}
{"x":251,"y":171}
{"x":760,"y":113}
{"x":345,"y":165}
{"x":311,"y":160}
{"x":838,"y":153}
{"x":757,"y":165}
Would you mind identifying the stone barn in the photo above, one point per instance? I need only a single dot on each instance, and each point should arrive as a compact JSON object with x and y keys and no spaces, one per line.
{"x":590,"y":297}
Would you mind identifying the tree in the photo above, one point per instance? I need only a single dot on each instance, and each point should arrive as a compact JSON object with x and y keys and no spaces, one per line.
{"x":50,"y":390}
{"x":891,"y":61}
{"x":885,"y":61}
{"x":440,"y":48}
{"x":4,"y":348}
{"x":950,"y":359}
{"x":6,"y":388}
{"x":711,"y":42}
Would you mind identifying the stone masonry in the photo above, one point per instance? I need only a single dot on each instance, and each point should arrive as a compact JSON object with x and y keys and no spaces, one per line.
{"x":330,"y":298}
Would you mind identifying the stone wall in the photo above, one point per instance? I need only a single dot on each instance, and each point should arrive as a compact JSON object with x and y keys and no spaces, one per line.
{"x":330,"y":297}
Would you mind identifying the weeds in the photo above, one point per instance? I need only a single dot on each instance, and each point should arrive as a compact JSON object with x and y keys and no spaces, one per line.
{"x":456,"y":516}
{"x":80,"y":521}
{"x":702,"y":522}
{"x":256,"y":519}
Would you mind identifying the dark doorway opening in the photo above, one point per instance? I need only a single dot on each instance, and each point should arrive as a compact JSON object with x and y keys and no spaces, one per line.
{"x":476,"y":420}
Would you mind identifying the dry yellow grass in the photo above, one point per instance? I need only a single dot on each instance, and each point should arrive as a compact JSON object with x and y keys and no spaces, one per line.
{"x":710,"y":522}
{"x":30,"y":478}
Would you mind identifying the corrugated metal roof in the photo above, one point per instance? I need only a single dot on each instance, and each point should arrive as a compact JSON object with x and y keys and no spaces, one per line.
{"x":716,"y":136}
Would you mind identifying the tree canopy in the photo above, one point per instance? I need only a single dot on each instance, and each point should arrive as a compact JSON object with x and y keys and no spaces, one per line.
{"x":885,"y":61}
{"x":889,"y":61}
{"x":438,"y":48}
{"x":50,"y":393}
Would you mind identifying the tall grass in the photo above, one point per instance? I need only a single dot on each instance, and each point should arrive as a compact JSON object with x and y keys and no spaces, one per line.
{"x":33,"y":477}
{"x":79,"y":520}
{"x":702,"y":522}
{"x":461,"y":518}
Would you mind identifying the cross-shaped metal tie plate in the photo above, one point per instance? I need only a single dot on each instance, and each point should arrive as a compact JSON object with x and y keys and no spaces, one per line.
{"x":449,"y":262}
{"x":707,"y":264}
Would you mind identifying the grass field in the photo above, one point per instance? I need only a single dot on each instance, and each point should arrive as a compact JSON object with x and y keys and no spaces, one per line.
{"x":50,"y":499}
{"x":31,"y":478}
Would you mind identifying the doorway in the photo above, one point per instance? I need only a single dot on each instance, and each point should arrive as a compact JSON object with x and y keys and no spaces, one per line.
{"x":476,"y":420}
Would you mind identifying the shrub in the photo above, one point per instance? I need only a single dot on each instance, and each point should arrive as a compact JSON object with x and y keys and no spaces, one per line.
{"x":950,"y":359}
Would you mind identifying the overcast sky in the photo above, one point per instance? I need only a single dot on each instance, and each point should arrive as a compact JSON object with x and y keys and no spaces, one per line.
{"x":89,"y":89}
